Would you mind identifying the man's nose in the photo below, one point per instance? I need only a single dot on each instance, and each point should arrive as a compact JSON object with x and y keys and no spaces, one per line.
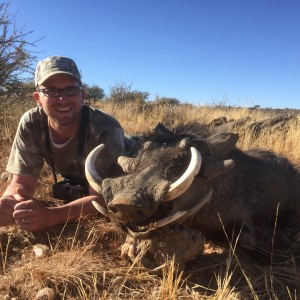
{"x":61,"y":95}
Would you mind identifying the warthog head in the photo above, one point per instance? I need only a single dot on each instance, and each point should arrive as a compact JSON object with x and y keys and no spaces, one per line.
{"x":168,"y":181}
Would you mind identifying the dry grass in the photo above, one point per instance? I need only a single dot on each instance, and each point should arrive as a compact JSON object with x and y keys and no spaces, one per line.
{"x":137,"y":119}
{"x":84,"y":259}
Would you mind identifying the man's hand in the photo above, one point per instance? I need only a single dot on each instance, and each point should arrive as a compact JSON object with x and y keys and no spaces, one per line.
{"x":7,"y":204}
{"x":31,"y":215}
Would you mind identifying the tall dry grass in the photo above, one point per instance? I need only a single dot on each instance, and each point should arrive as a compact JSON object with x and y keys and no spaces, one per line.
{"x":137,"y":118}
{"x":140,"y":119}
{"x":84,"y":260}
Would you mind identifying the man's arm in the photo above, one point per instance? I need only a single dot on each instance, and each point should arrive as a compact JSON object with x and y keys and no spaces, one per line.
{"x":17,"y":205}
{"x":26,"y":183}
{"x":32,"y":215}
{"x":19,"y":189}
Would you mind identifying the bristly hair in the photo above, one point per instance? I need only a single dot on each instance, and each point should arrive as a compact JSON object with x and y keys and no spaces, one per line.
{"x":163,"y":135}
{"x":193,"y":128}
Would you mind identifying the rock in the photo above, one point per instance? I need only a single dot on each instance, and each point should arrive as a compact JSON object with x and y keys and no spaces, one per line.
{"x":6,"y":176}
{"x":45,"y":294}
{"x":41,"y":250}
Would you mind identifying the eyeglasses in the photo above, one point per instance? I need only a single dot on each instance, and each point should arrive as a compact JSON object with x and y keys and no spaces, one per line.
{"x":55,"y":92}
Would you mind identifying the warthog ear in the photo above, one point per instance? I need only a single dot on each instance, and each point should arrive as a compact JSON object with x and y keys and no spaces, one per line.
{"x":221,"y":144}
{"x":127,"y":163}
{"x":163,"y":134}
{"x":163,"y":131}
{"x":185,"y":143}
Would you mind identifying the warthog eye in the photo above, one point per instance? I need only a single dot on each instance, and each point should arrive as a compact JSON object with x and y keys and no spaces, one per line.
{"x":140,"y":213}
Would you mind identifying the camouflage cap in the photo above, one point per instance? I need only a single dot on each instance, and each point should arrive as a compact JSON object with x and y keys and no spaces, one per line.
{"x":55,"y":65}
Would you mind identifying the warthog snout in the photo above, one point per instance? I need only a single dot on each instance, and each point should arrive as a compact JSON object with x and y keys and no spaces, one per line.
{"x":127,"y":210}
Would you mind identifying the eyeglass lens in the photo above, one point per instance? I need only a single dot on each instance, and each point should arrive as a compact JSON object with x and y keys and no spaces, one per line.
{"x":55,"y":92}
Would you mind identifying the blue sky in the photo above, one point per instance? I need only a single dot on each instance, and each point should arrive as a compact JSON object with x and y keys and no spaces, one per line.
{"x":240,"y":53}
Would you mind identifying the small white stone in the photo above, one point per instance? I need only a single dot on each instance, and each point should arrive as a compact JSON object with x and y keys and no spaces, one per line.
{"x":45,"y":294}
{"x":41,"y":250}
{"x":6,"y":176}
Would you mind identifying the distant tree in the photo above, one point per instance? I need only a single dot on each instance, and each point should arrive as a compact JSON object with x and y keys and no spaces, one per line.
{"x":27,"y":87}
{"x":121,"y":93}
{"x":15,"y":57}
{"x":166,"y":101}
{"x":94,"y":92}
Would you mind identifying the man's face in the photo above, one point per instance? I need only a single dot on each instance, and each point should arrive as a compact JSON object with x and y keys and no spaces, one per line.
{"x":63,"y":110}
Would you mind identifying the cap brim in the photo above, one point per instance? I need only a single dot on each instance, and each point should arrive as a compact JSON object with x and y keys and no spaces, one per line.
{"x":42,"y":80}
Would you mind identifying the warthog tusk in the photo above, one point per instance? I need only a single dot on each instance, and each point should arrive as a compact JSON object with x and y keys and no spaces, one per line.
{"x":100,"y":208}
{"x":183,"y":183}
{"x":104,"y":211}
{"x":91,"y":174}
{"x":171,"y":218}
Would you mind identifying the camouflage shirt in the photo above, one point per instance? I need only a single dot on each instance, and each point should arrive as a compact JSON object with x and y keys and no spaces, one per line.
{"x":29,"y":149}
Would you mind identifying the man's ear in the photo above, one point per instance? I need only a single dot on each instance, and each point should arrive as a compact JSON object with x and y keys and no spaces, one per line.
{"x":36,"y":97}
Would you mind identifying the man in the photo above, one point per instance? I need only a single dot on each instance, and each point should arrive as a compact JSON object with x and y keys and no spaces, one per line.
{"x":57,"y":120}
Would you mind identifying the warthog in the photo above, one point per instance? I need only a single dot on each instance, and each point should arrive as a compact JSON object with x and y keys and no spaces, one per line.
{"x":185,"y":183}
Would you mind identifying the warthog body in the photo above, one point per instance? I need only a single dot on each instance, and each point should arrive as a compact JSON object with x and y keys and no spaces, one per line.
{"x":233,"y":189}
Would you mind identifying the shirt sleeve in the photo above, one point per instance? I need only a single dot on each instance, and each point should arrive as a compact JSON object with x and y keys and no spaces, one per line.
{"x":26,"y":156}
